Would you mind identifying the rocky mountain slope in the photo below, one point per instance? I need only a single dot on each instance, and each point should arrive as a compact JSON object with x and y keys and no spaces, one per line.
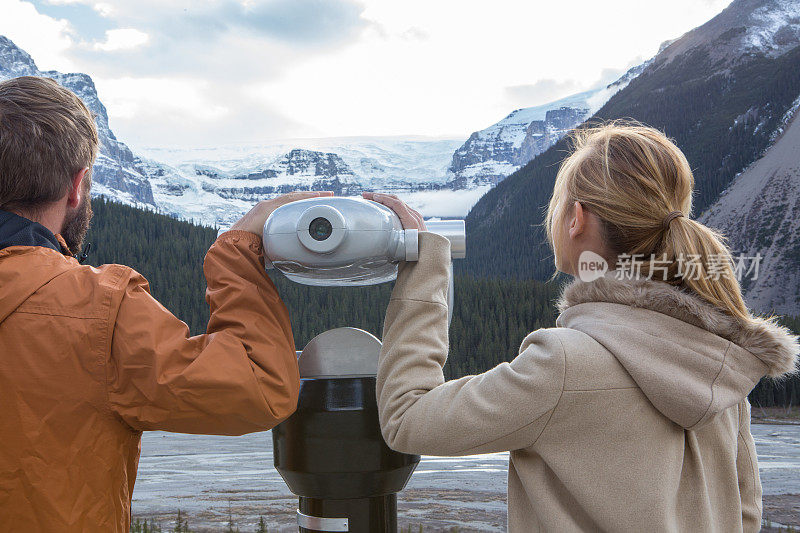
{"x":298,"y":169}
{"x":722,"y":91}
{"x":491,"y":154}
{"x":746,"y":28}
{"x":216,"y":185}
{"x":758,"y":214}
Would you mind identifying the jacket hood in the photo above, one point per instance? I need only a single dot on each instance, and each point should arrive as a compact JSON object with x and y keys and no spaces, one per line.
{"x":691,"y":359}
{"x":19,"y":231}
{"x":30,"y":256}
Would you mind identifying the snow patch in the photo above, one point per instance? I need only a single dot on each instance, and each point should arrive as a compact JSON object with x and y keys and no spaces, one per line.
{"x":774,"y":27}
{"x":787,"y":117}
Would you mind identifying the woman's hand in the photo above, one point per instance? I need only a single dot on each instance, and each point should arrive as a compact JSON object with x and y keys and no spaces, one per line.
{"x":254,"y":220}
{"x":410,"y":218}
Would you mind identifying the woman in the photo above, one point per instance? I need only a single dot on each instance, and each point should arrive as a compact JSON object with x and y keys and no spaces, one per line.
{"x":632,"y":413}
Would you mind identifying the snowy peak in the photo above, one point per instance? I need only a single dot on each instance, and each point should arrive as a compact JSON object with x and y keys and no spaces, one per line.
{"x":299,"y":169}
{"x":528,"y":114}
{"x":313,"y":164}
{"x":774,"y":28}
{"x":218,"y":184}
{"x":744,"y":28}
{"x":220,"y":192}
{"x":492,"y":154}
{"x":14,"y":61}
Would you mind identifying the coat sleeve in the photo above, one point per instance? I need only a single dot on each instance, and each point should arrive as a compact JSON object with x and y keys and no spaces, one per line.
{"x":503,"y":409}
{"x":747,"y":468}
{"x":239,"y":377}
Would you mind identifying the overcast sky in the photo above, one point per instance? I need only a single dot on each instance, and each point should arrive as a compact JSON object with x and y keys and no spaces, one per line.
{"x":203,"y":73}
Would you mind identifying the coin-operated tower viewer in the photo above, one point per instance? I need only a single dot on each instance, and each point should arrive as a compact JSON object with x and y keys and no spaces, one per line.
{"x":330,"y":451}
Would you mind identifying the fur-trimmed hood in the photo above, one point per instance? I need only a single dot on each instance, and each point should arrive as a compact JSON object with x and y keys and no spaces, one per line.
{"x":690,"y":359}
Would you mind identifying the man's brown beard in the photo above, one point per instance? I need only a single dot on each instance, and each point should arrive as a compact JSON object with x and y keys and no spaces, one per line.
{"x":76,"y":223}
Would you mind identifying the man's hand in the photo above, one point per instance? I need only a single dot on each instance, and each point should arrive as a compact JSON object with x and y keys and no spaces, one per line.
{"x":410,"y":218}
{"x":254,"y":220}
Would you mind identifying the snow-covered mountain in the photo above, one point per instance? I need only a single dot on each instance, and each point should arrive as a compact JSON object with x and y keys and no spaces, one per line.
{"x":728,"y":92}
{"x":491,"y":154}
{"x":439,"y":176}
{"x":117,"y":173}
{"x":217,"y":196}
{"x":381,"y":161}
{"x":758,"y":211}
{"x":745,"y":29}
{"x":217,"y":185}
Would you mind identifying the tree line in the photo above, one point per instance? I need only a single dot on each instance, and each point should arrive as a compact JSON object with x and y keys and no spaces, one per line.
{"x":490,"y":319}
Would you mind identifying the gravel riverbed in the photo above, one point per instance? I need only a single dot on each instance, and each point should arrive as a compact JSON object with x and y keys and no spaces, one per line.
{"x":211,"y":478}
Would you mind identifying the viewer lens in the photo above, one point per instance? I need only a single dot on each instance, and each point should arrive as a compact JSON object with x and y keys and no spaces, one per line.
{"x":320,"y":229}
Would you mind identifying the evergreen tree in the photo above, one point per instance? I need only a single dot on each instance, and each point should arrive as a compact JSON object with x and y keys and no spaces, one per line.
{"x":490,"y":319}
{"x":231,"y":528}
{"x":181,"y":523}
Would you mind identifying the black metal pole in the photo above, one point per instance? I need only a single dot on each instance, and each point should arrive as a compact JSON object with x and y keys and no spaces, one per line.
{"x":332,"y":455}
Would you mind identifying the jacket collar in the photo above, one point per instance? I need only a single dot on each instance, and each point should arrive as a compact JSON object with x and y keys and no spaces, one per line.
{"x":770,"y":342}
{"x":19,"y":231}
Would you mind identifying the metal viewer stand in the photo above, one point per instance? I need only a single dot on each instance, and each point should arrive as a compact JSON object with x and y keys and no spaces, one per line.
{"x":330,"y":451}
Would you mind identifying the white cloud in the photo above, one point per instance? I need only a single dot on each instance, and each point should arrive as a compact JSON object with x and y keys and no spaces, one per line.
{"x":445,"y":203}
{"x":542,"y":91}
{"x":122,"y":39}
{"x":216,"y":70}
{"x":175,"y":112}
{"x":104,"y":9}
{"x":454,"y":81}
{"x":148,"y":98}
{"x":45,"y":38}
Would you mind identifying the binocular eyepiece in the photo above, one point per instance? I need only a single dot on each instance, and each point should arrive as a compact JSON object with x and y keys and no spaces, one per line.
{"x":346,"y":241}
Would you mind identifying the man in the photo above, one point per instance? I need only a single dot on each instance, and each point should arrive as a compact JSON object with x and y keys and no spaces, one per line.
{"x":88,"y":359}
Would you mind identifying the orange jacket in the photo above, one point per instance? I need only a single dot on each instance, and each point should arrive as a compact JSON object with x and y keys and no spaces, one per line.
{"x":89,"y":360}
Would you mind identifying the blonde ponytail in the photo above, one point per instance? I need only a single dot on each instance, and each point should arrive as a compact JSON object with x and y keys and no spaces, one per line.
{"x":639,"y":184}
{"x":715,"y":279}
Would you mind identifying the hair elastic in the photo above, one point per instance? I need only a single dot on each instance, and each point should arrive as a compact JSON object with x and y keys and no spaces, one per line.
{"x":670,"y":217}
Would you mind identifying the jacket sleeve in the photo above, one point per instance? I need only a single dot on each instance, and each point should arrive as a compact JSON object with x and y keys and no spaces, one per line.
{"x":747,"y":468}
{"x":240,"y":377}
{"x":503,"y":409}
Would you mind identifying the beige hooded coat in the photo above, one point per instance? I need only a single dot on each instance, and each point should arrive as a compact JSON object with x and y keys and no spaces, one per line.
{"x":630,"y":415}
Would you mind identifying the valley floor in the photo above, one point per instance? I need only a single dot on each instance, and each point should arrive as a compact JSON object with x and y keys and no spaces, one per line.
{"x":213,"y":479}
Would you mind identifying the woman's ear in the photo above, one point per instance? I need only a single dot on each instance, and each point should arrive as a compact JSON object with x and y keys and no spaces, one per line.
{"x":76,"y":190}
{"x":577,"y":224}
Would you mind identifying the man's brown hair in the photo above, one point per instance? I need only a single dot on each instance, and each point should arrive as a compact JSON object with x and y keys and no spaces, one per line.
{"x":47,"y":135}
